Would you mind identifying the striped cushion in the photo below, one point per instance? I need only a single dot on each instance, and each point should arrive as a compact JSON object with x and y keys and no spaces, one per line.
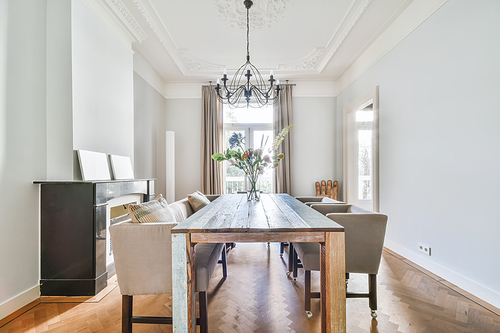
{"x":156,"y":210}
{"x":197,"y":200}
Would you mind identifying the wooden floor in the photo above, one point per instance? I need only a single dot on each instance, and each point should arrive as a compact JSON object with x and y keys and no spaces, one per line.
{"x":258,"y":296}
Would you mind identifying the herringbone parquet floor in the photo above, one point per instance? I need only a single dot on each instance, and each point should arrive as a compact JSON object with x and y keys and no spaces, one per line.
{"x":259,"y":297}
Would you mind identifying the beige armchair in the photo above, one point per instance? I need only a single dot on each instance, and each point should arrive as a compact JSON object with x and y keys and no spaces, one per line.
{"x":364,"y":241}
{"x":143,"y":261}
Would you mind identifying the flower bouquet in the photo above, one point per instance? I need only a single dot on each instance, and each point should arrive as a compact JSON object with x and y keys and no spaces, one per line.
{"x":252,"y":161}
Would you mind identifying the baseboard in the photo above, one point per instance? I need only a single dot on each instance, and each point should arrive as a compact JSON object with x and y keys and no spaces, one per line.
{"x":15,"y":306}
{"x":483,"y":293}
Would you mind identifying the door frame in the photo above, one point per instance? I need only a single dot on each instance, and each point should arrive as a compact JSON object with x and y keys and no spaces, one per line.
{"x":348,"y":119}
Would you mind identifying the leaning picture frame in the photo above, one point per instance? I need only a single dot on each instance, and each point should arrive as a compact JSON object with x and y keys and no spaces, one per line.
{"x":93,"y":165}
{"x":121,"y":167}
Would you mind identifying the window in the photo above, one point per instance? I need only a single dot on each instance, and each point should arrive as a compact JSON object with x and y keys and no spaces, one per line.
{"x":256,"y":125}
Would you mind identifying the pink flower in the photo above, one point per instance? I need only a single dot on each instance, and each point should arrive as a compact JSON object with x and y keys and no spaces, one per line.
{"x":261,"y":170}
{"x":267,"y":159}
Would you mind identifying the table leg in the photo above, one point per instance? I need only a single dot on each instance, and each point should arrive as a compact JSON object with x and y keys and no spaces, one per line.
{"x":333,"y":288}
{"x":183,"y":284}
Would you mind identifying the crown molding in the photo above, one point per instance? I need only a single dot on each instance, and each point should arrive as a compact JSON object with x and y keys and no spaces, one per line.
{"x":195,"y":66}
{"x":309,"y":88}
{"x":127,"y":19}
{"x":315,"y":62}
{"x":115,"y":21}
{"x":307,"y":65}
{"x":187,"y":63}
{"x":335,"y":43}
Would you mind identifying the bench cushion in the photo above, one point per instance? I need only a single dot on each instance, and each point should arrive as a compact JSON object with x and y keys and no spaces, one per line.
{"x":181,"y":209}
{"x":309,"y":254}
{"x":207,"y":257}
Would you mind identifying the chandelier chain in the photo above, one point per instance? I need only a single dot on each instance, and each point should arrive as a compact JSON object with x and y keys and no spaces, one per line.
{"x":248,"y":36}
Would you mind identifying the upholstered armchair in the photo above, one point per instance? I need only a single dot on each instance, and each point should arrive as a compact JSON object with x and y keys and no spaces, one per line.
{"x":309,"y":200}
{"x":143,"y":261}
{"x":364,"y":241}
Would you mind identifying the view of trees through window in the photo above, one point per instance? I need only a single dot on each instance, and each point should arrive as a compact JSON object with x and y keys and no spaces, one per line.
{"x":364,"y":120}
{"x":256,"y":125}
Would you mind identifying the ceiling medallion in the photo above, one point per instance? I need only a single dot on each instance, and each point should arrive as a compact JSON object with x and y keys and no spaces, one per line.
{"x":264,"y":13}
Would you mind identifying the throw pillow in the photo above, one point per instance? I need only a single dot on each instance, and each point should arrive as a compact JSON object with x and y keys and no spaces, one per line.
{"x":156,"y":210}
{"x":197,"y":200}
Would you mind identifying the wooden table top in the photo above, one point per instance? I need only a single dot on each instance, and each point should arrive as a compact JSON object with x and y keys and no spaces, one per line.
{"x":231,"y":213}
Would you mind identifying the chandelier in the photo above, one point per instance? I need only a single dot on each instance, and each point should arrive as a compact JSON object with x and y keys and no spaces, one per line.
{"x":247,"y":82}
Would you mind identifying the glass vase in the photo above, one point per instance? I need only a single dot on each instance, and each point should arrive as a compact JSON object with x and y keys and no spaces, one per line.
{"x":253,"y":193}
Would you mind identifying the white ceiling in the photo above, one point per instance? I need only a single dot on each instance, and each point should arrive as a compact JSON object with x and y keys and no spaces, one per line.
{"x":194,"y":40}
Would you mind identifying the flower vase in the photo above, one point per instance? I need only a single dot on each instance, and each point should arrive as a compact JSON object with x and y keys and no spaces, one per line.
{"x":253,"y":194}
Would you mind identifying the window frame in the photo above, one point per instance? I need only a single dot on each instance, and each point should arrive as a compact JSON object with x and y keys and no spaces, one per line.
{"x":249,"y":130}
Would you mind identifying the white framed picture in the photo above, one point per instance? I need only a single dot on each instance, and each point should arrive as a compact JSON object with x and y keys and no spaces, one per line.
{"x":93,"y":165}
{"x":122,"y":167}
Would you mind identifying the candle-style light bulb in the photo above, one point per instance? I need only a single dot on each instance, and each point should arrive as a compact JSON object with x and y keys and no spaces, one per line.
{"x":272,"y":73}
{"x":278,"y":82}
{"x":225,"y":71}
{"x":218,"y":82}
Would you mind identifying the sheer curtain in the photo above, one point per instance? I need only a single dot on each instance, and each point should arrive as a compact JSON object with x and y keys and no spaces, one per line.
{"x":211,"y":141}
{"x":283,"y":116}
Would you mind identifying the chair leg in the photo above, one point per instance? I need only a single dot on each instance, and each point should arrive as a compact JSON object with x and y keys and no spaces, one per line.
{"x":290,"y":259}
{"x":307,"y":292}
{"x":127,"y":304}
{"x":295,"y":265}
{"x":373,"y":293}
{"x":224,"y":263}
{"x":203,"y":311}
{"x":282,"y":248}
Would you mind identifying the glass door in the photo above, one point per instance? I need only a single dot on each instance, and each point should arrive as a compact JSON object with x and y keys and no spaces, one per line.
{"x":361,"y":152}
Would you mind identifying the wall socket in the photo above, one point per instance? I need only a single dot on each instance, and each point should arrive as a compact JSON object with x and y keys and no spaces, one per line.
{"x":425,"y":249}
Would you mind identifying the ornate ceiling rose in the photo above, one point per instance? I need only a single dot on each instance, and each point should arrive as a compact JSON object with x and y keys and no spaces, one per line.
{"x":264,"y":13}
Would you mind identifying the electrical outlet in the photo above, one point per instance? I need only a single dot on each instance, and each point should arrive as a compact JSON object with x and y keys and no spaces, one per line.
{"x":424,"y":248}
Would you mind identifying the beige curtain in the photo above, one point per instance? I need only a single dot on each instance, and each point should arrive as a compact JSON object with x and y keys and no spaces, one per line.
{"x":211,"y":141}
{"x":283,"y":116}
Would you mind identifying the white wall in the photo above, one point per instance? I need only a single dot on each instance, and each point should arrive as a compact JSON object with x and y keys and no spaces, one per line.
{"x":22,"y":148}
{"x":66,"y":82}
{"x":439,"y":153}
{"x":103,"y":95}
{"x":149,"y":124}
{"x":312,"y":139}
{"x":59,"y":91}
{"x":183,"y":116}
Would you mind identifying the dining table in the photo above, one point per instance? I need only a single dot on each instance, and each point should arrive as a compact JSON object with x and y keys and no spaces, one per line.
{"x":231,"y":218}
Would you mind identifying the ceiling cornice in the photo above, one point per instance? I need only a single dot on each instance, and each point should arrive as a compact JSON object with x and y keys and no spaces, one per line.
{"x":115,"y":21}
{"x":150,"y":15}
{"x":127,"y":19}
{"x":316,"y":61}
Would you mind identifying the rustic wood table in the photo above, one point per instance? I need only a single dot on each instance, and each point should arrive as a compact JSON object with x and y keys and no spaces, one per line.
{"x":275,"y":218}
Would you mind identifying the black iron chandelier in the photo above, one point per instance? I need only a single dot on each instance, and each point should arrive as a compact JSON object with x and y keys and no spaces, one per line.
{"x":247,"y":82}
